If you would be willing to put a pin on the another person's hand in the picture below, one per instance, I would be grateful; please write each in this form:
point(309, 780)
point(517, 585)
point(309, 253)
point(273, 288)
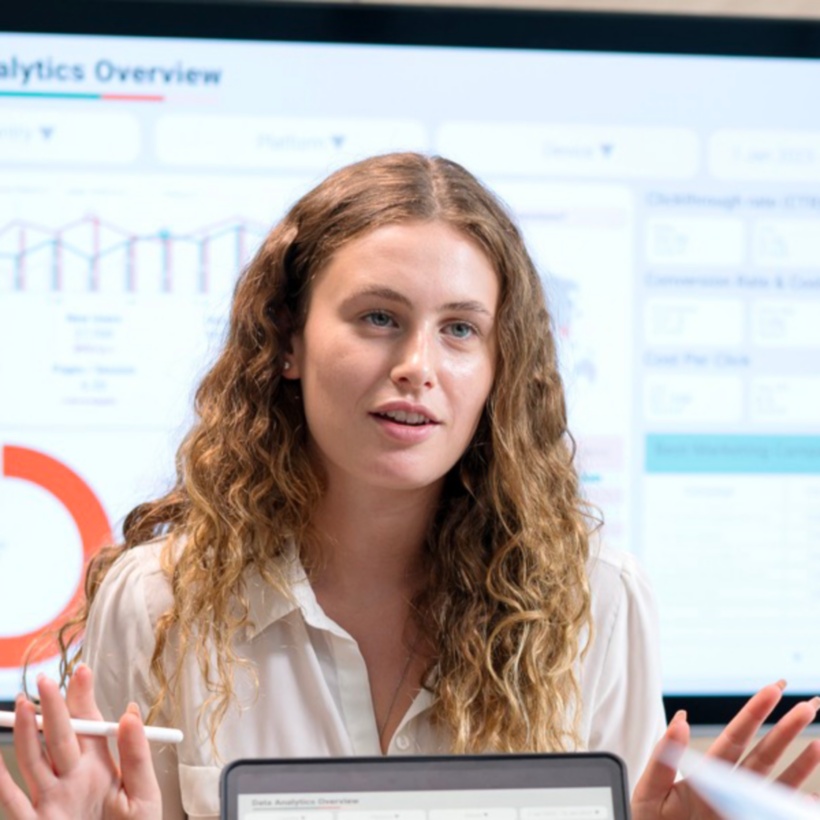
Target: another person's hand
point(72, 777)
point(658, 796)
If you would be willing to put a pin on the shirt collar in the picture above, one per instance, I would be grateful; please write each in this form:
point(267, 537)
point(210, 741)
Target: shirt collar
point(267, 605)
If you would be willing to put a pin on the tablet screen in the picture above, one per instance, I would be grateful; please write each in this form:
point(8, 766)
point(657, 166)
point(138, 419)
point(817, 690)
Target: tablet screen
point(532, 787)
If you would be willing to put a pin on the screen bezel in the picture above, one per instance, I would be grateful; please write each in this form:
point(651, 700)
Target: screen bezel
point(618, 32)
point(425, 773)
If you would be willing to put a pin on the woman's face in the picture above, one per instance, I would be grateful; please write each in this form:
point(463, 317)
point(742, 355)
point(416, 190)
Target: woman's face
point(397, 355)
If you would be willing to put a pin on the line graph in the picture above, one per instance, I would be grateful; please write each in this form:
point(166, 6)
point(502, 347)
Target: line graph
point(91, 254)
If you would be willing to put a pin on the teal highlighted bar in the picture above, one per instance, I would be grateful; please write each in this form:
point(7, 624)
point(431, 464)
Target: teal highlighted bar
point(732, 454)
point(64, 95)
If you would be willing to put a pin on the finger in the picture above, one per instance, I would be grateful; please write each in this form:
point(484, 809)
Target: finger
point(31, 758)
point(81, 704)
point(735, 738)
point(658, 778)
point(767, 753)
point(138, 778)
point(13, 801)
point(799, 770)
point(61, 741)
point(80, 695)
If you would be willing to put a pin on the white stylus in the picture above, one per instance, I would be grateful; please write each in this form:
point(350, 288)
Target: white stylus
point(101, 728)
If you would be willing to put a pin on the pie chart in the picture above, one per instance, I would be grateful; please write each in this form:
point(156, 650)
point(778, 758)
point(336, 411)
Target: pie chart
point(82, 505)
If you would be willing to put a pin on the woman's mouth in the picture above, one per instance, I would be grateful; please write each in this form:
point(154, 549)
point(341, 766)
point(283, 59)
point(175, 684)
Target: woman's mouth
point(403, 417)
point(406, 426)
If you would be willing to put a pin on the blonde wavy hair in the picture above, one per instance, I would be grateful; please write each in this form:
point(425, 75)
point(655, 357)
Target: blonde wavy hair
point(506, 607)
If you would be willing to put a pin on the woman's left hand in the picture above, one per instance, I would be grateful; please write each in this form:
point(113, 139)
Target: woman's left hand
point(658, 796)
point(70, 776)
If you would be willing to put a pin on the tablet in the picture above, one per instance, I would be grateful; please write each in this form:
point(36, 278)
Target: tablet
point(485, 787)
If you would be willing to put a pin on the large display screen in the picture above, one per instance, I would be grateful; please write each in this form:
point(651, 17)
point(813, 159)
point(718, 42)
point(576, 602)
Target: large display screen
point(670, 199)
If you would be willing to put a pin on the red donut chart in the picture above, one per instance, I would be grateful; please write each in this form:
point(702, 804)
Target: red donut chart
point(82, 505)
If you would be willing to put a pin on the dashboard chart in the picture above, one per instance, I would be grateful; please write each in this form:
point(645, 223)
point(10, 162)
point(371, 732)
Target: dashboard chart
point(676, 231)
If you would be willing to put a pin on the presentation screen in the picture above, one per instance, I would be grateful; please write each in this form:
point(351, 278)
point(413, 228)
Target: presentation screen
point(667, 181)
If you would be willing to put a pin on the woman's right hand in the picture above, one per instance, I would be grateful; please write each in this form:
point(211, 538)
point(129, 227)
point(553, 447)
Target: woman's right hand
point(74, 777)
point(659, 796)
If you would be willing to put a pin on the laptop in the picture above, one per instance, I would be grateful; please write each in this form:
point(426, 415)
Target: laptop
point(486, 787)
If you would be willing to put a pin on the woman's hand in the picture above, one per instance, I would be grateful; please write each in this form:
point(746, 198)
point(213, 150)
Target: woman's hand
point(71, 777)
point(658, 797)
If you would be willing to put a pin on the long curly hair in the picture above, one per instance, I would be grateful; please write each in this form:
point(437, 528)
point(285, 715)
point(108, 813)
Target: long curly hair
point(506, 605)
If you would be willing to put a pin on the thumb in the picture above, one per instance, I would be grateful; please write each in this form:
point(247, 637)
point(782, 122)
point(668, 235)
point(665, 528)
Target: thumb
point(659, 777)
point(139, 780)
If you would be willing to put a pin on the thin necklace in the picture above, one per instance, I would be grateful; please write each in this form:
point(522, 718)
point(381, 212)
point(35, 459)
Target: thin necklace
point(410, 655)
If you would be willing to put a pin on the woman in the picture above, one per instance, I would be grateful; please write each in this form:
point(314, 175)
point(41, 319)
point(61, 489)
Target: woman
point(376, 542)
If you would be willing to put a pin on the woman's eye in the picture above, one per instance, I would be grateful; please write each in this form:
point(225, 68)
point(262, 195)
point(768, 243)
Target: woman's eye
point(378, 318)
point(462, 330)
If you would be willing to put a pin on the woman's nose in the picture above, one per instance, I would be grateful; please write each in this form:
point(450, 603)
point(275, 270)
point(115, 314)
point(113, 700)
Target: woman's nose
point(415, 366)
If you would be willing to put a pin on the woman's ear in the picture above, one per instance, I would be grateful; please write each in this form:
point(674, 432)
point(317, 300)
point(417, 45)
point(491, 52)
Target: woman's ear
point(292, 367)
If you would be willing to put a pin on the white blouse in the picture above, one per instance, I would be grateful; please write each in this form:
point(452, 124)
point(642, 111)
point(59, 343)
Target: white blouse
point(314, 698)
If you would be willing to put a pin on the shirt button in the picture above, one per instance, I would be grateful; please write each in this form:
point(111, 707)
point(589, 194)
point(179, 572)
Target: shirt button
point(402, 743)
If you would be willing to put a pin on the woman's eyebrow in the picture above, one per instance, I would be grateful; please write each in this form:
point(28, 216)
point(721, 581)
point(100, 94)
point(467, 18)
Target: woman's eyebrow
point(391, 295)
point(380, 292)
point(468, 306)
